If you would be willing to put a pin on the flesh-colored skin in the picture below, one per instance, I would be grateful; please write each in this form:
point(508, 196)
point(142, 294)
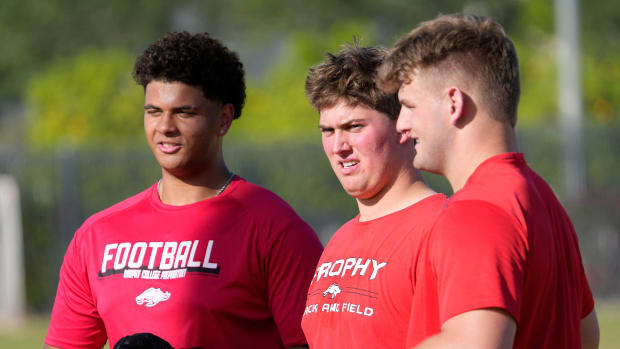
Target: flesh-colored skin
point(447, 124)
point(590, 333)
point(370, 158)
point(483, 329)
point(453, 131)
point(454, 134)
point(184, 130)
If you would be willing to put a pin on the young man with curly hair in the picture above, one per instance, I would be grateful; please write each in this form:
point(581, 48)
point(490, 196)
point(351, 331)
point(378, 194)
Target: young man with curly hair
point(203, 258)
point(501, 267)
point(361, 294)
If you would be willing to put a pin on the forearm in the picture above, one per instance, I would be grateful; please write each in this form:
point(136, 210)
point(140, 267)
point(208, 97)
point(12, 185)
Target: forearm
point(484, 329)
point(590, 334)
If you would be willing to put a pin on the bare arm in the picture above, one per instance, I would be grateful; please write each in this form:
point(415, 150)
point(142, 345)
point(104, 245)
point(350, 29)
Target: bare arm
point(590, 334)
point(483, 328)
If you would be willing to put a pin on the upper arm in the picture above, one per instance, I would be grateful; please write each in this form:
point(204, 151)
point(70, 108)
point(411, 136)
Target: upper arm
point(590, 334)
point(479, 258)
point(482, 328)
point(292, 255)
point(75, 320)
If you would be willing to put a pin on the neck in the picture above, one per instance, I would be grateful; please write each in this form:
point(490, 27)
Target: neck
point(179, 191)
point(473, 148)
point(405, 190)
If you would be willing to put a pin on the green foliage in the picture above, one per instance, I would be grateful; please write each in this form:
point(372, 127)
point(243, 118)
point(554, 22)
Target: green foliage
point(277, 108)
point(538, 103)
point(602, 90)
point(86, 100)
point(32, 32)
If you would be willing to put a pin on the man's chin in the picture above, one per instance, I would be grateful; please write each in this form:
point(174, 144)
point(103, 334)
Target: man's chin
point(360, 194)
point(175, 169)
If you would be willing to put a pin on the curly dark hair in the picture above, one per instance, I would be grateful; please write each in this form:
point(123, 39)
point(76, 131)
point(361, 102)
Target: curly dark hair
point(350, 76)
point(197, 60)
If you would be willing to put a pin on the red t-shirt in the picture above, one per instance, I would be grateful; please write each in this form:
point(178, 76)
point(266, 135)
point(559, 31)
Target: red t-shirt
point(226, 272)
point(361, 293)
point(504, 241)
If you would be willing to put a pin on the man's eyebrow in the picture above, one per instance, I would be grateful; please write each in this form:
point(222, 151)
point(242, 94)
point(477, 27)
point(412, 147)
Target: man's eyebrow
point(341, 124)
point(186, 107)
point(176, 109)
point(349, 121)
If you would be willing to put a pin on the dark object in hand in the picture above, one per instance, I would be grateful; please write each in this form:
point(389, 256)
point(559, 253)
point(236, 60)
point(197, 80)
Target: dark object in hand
point(142, 341)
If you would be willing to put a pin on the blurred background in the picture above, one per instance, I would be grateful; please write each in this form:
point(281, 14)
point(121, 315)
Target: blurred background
point(71, 133)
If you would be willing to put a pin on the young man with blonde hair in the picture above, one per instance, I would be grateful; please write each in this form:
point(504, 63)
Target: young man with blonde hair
point(501, 266)
point(361, 294)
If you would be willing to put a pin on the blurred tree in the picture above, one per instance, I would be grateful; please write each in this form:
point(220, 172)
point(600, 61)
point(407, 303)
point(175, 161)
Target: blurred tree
point(32, 32)
point(89, 99)
point(601, 74)
point(277, 108)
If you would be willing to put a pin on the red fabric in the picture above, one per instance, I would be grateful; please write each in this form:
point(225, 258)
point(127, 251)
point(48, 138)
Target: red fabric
point(229, 272)
point(372, 265)
point(504, 241)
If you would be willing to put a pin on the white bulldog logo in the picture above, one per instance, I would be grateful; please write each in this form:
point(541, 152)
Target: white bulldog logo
point(152, 297)
point(333, 289)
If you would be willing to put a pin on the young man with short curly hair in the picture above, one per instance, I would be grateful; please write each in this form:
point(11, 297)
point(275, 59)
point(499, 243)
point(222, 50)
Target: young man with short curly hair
point(501, 267)
point(362, 291)
point(203, 258)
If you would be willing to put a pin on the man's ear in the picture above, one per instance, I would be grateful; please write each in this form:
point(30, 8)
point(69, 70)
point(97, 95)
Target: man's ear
point(227, 114)
point(456, 104)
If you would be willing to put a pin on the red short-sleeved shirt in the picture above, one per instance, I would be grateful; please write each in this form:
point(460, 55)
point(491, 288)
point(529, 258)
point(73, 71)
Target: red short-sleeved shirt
point(227, 272)
point(504, 241)
point(362, 291)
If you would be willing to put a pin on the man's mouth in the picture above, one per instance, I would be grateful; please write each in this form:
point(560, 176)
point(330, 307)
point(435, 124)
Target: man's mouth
point(168, 148)
point(347, 164)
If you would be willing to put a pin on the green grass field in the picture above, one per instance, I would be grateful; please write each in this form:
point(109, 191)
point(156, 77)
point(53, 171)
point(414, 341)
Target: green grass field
point(31, 334)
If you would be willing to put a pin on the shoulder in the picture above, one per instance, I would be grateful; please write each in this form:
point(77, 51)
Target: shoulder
point(346, 232)
point(259, 201)
point(271, 215)
point(115, 209)
point(476, 223)
point(427, 209)
point(471, 210)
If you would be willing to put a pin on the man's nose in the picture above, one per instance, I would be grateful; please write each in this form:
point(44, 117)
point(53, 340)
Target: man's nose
point(166, 124)
point(403, 123)
point(341, 142)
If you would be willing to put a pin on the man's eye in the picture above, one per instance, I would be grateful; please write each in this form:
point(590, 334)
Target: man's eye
point(153, 112)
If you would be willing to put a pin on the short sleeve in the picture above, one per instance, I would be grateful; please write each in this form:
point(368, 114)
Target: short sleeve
point(291, 260)
point(479, 257)
point(75, 322)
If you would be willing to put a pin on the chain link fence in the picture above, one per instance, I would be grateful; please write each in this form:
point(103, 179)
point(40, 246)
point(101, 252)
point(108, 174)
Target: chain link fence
point(61, 188)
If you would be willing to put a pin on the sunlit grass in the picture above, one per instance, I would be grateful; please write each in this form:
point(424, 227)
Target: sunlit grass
point(609, 321)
